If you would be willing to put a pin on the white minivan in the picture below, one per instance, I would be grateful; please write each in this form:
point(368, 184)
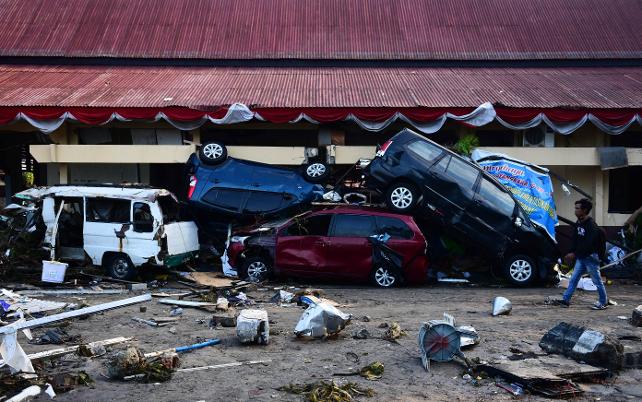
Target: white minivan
point(120, 228)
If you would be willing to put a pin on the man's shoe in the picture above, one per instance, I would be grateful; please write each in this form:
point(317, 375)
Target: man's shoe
point(561, 302)
point(598, 306)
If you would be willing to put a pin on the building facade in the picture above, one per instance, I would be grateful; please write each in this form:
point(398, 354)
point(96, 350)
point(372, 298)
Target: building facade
point(121, 91)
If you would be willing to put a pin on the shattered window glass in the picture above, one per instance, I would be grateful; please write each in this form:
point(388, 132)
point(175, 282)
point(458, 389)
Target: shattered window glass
point(108, 210)
point(354, 226)
point(143, 219)
point(396, 228)
point(169, 208)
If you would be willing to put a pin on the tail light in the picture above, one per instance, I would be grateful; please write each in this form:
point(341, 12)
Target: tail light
point(192, 186)
point(384, 148)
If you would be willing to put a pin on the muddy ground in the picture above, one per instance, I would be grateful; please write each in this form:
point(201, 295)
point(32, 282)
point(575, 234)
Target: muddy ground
point(298, 361)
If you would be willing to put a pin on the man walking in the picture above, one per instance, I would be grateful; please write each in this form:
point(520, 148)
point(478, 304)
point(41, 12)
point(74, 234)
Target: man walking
point(585, 252)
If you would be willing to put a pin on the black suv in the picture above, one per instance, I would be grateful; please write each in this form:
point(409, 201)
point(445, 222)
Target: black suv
point(420, 177)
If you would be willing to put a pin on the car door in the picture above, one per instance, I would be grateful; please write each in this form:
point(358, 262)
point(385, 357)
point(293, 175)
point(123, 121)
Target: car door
point(349, 251)
point(140, 237)
point(401, 237)
point(105, 220)
point(493, 210)
point(424, 155)
point(302, 246)
point(454, 182)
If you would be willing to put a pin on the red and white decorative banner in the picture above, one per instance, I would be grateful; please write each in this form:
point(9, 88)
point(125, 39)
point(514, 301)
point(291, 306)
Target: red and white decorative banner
point(426, 120)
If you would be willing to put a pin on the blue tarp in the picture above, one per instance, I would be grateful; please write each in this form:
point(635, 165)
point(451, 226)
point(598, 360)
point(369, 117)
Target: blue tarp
point(530, 184)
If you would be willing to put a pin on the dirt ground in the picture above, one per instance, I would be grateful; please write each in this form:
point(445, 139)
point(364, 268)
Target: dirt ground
point(299, 361)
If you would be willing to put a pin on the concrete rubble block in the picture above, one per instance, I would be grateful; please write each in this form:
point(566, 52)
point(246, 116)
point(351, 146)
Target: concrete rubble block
point(252, 326)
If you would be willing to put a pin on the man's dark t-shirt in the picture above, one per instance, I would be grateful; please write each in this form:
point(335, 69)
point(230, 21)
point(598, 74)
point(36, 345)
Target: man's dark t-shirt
point(585, 238)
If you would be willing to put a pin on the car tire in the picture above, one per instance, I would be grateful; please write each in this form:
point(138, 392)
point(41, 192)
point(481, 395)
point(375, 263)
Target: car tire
point(520, 270)
point(316, 172)
point(384, 277)
point(212, 153)
point(119, 266)
point(255, 269)
point(402, 197)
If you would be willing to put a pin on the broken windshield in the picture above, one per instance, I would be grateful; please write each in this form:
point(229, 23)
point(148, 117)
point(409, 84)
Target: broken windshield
point(169, 208)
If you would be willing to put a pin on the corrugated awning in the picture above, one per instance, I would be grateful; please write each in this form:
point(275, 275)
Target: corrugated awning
point(563, 98)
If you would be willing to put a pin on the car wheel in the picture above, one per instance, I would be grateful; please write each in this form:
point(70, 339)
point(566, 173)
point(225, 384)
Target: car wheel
point(255, 269)
point(384, 277)
point(120, 267)
point(213, 153)
point(520, 270)
point(316, 172)
point(402, 197)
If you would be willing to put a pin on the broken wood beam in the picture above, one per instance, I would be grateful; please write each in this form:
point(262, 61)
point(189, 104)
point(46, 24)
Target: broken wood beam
point(75, 313)
point(71, 349)
point(224, 365)
point(186, 303)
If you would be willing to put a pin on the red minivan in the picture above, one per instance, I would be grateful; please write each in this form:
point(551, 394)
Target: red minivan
point(331, 244)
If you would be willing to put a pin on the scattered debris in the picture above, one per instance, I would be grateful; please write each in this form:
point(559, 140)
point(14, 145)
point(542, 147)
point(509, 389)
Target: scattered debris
point(223, 321)
point(636, 317)
point(19, 325)
point(328, 391)
point(440, 340)
point(132, 364)
point(501, 305)
point(183, 349)
point(468, 336)
point(353, 357)
point(372, 371)
point(28, 392)
point(137, 287)
point(361, 333)
point(394, 332)
point(321, 320)
point(14, 302)
point(222, 304)
point(514, 388)
point(72, 349)
point(365, 318)
point(252, 326)
point(56, 336)
point(282, 296)
point(151, 323)
point(70, 292)
point(176, 311)
point(585, 345)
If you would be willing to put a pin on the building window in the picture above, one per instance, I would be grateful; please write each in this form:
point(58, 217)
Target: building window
point(624, 198)
point(496, 138)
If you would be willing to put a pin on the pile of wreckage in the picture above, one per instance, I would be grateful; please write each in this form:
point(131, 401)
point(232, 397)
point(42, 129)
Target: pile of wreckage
point(569, 353)
point(242, 211)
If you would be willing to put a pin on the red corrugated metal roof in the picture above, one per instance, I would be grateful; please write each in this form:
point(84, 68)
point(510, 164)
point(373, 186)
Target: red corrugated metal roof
point(320, 87)
point(323, 29)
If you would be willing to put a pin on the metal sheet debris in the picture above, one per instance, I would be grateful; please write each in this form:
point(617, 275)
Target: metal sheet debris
point(252, 326)
point(321, 320)
point(501, 305)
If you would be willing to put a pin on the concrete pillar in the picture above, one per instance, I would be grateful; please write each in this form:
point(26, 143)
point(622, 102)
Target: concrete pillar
point(63, 173)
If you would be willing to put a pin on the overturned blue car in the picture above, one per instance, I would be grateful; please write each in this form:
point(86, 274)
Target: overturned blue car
point(224, 190)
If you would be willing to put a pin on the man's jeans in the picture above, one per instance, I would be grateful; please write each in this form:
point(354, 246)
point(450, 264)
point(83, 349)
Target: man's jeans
point(588, 264)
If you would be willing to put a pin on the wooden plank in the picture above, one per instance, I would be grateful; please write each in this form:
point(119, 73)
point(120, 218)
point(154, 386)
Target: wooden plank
point(185, 303)
point(72, 314)
point(224, 365)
